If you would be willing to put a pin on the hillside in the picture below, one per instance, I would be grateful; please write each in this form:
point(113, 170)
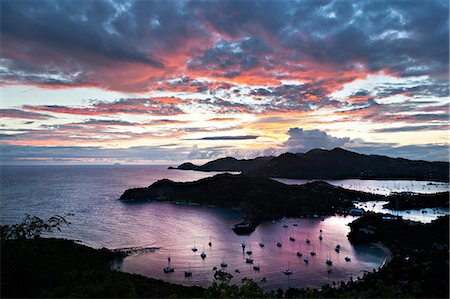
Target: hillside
point(330, 164)
point(57, 268)
point(260, 198)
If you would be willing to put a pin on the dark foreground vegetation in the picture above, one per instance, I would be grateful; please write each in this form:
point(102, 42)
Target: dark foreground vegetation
point(48, 268)
point(53, 268)
point(420, 263)
point(330, 164)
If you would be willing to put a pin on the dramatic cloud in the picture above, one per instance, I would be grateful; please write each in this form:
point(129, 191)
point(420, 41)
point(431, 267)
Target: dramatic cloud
point(141, 73)
point(156, 106)
point(132, 45)
point(305, 140)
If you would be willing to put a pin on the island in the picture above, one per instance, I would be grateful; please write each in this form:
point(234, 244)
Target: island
point(329, 164)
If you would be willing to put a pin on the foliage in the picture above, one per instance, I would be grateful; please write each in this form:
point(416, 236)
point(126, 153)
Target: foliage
point(221, 288)
point(58, 268)
point(32, 227)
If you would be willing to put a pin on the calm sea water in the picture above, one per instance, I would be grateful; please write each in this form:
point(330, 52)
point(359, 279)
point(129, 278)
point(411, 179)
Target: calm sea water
point(422, 215)
point(100, 220)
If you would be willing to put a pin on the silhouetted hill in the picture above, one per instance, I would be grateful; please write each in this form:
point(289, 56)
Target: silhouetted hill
point(227, 164)
point(259, 197)
point(330, 164)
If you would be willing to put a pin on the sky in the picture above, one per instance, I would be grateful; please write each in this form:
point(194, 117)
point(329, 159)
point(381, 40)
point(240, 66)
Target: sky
point(161, 82)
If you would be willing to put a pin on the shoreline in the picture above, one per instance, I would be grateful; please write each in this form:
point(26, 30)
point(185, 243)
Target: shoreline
point(386, 251)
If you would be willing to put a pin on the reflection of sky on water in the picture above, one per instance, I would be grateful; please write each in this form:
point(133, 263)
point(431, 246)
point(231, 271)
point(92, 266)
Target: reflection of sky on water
point(422, 215)
point(383, 187)
point(100, 220)
point(271, 259)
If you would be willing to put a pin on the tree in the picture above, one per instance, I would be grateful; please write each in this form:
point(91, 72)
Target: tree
point(221, 288)
point(32, 227)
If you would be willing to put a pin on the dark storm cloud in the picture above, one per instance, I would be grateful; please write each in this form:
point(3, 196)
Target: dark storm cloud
point(410, 38)
point(86, 39)
point(298, 97)
point(232, 58)
point(69, 42)
point(71, 26)
point(439, 88)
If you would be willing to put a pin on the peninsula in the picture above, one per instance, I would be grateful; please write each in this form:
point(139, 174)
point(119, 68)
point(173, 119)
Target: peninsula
point(260, 198)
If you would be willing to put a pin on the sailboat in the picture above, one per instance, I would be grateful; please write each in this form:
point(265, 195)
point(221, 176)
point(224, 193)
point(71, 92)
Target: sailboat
point(256, 267)
point(287, 271)
point(292, 239)
point(261, 244)
point(188, 273)
point(299, 253)
point(328, 261)
point(223, 264)
point(338, 248)
point(249, 251)
point(203, 254)
point(168, 269)
point(194, 249)
point(347, 259)
point(306, 259)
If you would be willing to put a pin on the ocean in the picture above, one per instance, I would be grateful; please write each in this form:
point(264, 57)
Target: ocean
point(157, 230)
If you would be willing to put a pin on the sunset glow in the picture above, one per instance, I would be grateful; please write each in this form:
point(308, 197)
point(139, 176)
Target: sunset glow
point(161, 82)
